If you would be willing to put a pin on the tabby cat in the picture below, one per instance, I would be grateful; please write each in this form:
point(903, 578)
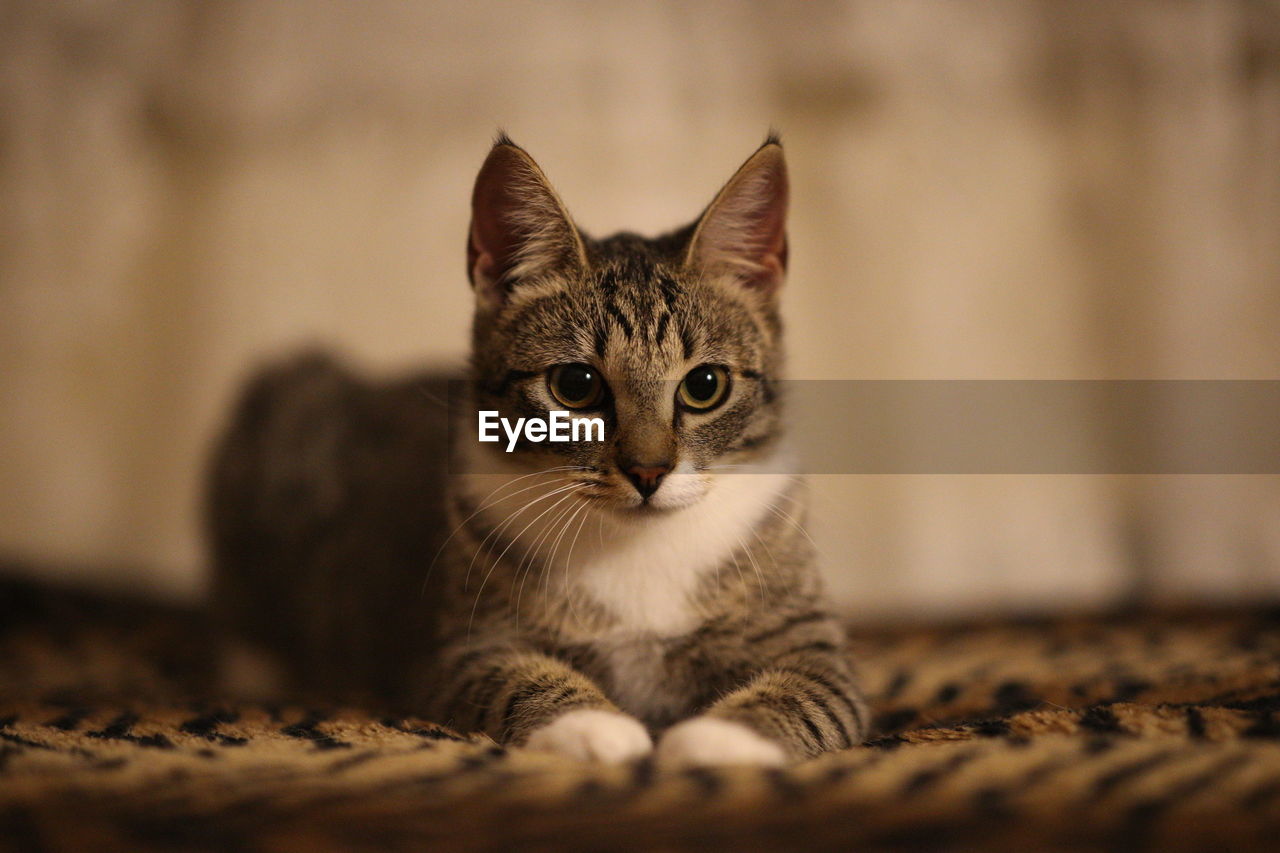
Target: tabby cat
point(593, 596)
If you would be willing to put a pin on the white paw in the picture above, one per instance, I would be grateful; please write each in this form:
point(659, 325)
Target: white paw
point(593, 735)
point(709, 741)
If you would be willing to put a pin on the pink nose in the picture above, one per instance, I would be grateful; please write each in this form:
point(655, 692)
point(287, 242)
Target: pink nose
point(647, 478)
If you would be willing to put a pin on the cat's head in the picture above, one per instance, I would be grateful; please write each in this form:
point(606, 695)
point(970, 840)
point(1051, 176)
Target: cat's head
point(674, 342)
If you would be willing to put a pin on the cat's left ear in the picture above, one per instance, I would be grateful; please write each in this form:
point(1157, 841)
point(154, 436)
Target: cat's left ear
point(744, 231)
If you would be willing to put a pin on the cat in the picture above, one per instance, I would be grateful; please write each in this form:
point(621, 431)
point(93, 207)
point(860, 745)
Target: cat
point(591, 596)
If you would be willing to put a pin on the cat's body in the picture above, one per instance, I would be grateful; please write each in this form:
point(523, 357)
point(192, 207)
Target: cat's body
point(592, 594)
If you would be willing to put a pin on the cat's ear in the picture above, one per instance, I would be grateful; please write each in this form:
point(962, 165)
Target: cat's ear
point(519, 226)
point(744, 231)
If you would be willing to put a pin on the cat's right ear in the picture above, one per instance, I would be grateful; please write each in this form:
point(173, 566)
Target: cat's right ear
point(744, 231)
point(520, 230)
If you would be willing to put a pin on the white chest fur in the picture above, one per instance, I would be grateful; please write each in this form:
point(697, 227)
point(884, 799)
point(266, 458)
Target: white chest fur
point(644, 571)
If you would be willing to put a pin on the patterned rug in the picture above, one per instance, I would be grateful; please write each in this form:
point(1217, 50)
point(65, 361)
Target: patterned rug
point(1123, 732)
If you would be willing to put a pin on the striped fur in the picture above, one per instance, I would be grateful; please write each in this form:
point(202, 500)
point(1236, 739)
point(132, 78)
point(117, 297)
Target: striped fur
point(566, 591)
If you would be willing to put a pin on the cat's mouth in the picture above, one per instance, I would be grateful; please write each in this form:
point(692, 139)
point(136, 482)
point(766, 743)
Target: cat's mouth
point(611, 499)
point(625, 502)
point(647, 508)
point(633, 506)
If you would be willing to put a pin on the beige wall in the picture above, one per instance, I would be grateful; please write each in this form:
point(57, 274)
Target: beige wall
point(982, 189)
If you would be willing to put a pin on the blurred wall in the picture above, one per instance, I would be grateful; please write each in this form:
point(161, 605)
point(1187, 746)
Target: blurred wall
point(982, 189)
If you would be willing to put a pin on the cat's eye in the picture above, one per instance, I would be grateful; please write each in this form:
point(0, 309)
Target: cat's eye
point(576, 386)
point(704, 387)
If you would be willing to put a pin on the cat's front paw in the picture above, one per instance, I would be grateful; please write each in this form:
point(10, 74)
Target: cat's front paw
point(706, 741)
point(593, 735)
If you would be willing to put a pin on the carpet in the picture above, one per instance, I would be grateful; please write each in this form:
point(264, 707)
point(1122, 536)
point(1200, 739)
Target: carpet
point(1117, 731)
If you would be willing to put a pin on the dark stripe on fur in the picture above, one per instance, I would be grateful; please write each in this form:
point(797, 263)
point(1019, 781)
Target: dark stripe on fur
point(787, 625)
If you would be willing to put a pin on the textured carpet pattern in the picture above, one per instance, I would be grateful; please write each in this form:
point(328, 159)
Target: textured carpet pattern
point(1130, 732)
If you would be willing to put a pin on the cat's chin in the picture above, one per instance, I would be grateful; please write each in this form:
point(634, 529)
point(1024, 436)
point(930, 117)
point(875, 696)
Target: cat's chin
point(647, 510)
point(652, 508)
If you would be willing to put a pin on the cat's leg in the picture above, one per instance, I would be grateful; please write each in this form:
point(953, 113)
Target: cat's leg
point(531, 699)
point(804, 701)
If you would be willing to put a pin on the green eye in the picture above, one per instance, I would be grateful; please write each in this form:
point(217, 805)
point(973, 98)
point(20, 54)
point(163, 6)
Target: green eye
point(576, 386)
point(704, 387)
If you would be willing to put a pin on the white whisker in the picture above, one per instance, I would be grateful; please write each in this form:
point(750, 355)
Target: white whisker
point(524, 566)
point(481, 508)
point(497, 530)
point(756, 566)
point(573, 609)
point(549, 564)
point(787, 517)
point(543, 537)
point(569, 489)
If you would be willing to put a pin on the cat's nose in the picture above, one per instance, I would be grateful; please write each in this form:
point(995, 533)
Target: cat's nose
point(646, 477)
